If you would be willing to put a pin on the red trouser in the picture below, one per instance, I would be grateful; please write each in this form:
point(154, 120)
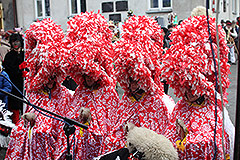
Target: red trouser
point(15, 115)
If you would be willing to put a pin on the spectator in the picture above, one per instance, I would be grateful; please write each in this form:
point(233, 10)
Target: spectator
point(7, 35)
point(236, 28)
point(170, 28)
point(238, 24)
point(5, 85)
point(222, 23)
point(111, 26)
point(166, 45)
point(11, 64)
point(231, 34)
point(4, 46)
point(129, 13)
point(180, 22)
point(166, 40)
point(238, 21)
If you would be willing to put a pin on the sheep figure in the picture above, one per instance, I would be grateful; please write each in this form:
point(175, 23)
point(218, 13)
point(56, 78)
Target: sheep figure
point(149, 145)
point(143, 144)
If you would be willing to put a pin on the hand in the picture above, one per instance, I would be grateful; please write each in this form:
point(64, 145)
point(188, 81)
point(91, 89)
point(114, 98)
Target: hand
point(181, 128)
point(29, 117)
point(85, 115)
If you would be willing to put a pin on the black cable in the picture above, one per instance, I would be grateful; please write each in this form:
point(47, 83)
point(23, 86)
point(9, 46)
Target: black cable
point(28, 102)
point(216, 81)
point(65, 120)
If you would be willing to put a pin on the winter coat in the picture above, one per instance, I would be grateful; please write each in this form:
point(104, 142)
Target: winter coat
point(6, 86)
point(11, 64)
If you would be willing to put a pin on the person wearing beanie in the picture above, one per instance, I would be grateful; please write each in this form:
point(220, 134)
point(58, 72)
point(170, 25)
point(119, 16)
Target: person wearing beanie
point(36, 135)
point(11, 64)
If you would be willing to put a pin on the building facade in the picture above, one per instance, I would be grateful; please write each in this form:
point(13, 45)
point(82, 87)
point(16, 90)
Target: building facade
point(22, 13)
point(8, 14)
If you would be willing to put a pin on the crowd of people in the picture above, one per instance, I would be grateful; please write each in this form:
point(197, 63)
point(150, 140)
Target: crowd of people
point(232, 30)
point(143, 61)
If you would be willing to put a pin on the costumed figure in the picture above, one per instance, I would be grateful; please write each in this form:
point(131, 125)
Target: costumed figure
point(37, 136)
point(143, 144)
point(137, 63)
point(11, 64)
point(89, 43)
point(189, 68)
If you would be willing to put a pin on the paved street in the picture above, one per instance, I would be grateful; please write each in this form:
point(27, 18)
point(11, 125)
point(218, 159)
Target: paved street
point(231, 106)
point(232, 91)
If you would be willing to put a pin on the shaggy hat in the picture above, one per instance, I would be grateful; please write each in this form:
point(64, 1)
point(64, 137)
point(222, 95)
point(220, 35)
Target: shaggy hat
point(189, 61)
point(45, 55)
point(89, 43)
point(138, 54)
point(153, 146)
point(200, 10)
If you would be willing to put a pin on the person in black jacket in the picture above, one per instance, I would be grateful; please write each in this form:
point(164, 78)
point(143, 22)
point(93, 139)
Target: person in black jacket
point(11, 64)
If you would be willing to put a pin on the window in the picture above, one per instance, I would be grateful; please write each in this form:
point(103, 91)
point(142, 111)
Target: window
point(42, 8)
point(160, 4)
point(74, 7)
point(234, 7)
point(115, 17)
point(121, 6)
point(107, 7)
point(224, 6)
point(153, 3)
point(166, 3)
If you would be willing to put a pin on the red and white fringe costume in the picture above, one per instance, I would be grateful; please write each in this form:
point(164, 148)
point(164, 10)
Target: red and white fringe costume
point(45, 57)
point(138, 55)
point(89, 43)
point(189, 64)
